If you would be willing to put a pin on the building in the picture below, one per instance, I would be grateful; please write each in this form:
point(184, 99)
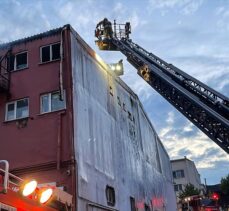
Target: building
point(68, 121)
point(185, 172)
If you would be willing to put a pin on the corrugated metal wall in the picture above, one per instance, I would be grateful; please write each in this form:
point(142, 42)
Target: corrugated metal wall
point(115, 144)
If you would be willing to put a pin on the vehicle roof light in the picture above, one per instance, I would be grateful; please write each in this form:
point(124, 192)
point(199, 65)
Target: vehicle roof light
point(113, 67)
point(29, 188)
point(46, 195)
point(118, 67)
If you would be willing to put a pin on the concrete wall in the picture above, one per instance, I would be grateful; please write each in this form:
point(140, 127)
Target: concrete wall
point(115, 144)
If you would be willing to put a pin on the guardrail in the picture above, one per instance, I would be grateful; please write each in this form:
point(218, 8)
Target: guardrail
point(6, 175)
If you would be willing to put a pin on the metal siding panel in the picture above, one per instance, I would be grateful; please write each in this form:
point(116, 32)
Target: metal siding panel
point(112, 148)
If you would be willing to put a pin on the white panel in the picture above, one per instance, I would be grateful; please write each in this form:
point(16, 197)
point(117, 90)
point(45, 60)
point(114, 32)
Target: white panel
point(115, 143)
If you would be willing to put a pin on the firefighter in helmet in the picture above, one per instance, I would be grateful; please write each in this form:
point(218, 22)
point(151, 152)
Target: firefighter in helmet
point(104, 27)
point(127, 30)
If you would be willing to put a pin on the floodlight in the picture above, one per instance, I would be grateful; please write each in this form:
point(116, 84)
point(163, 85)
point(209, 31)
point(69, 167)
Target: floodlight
point(46, 194)
point(29, 188)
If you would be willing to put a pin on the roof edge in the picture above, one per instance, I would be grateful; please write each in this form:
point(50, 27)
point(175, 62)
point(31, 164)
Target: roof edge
point(181, 159)
point(51, 32)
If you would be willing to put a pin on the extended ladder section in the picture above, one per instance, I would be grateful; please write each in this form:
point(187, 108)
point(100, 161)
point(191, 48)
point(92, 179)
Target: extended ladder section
point(202, 105)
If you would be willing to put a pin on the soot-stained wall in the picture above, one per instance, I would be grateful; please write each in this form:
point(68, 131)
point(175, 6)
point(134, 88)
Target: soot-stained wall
point(115, 143)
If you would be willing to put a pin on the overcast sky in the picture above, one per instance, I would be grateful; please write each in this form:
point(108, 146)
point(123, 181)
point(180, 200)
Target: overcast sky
point(191, 34)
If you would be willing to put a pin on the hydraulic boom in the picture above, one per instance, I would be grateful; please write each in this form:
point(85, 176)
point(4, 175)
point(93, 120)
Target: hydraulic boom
point(202, 105)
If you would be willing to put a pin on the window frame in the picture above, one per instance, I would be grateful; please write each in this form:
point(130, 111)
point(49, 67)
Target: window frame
point(132, 204)
point(179, 172)
point(110, 196)
point(179, 187)
point(146, 207)
point(50, 53)
point(15, 110)
point(49, 94)
point(15, 61)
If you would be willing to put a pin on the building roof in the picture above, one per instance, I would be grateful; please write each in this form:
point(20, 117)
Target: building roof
point(33, 37)
point(181, 159)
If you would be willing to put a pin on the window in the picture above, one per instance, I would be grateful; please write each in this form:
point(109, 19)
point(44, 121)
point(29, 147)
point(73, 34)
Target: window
point(51, 102)
point(50, 53)
point(178, 187)
point(17, 110)
point(132, 204)
point(119, 101)
point(111, 91)
point(110, 195)
point(18, 61)
point(147, 208)
point(178, 174)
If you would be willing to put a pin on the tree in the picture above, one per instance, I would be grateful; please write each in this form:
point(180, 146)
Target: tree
point(189, 190)
point(225, 185)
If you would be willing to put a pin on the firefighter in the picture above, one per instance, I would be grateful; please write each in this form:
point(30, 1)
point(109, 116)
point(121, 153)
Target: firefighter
point(127, 29)
point(107, 28)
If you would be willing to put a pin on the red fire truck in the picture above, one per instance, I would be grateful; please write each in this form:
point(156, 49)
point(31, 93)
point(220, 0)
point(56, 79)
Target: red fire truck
point(17, 194)
point(197, 203)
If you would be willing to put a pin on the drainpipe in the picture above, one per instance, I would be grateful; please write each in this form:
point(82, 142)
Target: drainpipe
point(61, 64)
point(70, 111)
point(59, 139)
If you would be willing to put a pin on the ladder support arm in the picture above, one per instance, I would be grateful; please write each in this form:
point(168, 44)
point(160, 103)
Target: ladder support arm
point(203, 106)
point(199, 111)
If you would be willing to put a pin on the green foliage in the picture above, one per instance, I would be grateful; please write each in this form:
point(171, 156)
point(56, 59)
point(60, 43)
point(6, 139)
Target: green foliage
point(189, 190)
point(225, 185)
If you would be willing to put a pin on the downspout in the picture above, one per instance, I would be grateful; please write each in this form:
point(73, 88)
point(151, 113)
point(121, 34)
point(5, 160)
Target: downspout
point(59, 140)
point(61, 64)
point(61, 98)
point(70, 111)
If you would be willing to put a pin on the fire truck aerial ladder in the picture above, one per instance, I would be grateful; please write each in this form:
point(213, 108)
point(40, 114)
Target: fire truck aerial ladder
point(202, 105)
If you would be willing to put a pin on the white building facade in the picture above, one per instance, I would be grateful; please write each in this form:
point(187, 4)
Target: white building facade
point(185, 172)
point(122, 164)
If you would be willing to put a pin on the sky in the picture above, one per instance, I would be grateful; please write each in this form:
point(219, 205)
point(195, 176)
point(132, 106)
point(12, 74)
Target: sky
point(190, 34)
